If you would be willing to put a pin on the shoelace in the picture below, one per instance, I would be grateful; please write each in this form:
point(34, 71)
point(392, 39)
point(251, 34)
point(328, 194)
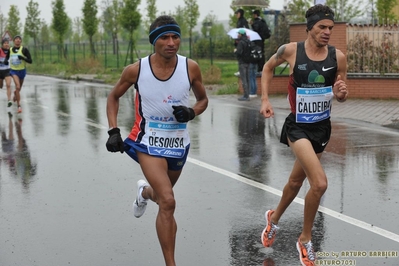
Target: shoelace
point(273, 230)
point(310, 251)
point(140, 203)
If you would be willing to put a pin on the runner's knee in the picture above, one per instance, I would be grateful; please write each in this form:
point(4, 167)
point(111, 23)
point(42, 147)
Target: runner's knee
point(167, 203)
point(295, 184)
point(320, 186)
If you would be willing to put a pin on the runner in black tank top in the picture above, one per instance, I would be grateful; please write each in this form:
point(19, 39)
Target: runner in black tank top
point(317, 75)
point(309, 74)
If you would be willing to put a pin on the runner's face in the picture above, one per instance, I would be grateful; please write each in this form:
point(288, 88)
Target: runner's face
point(321, 31)
point(167, 45)
point(6, 45)
point(17, 42)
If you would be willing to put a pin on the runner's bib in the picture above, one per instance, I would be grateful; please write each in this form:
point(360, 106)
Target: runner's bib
point(313, 104)
point(15, 60)
point(167, 139)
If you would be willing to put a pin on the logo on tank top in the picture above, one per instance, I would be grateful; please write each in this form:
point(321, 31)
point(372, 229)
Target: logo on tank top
point(315, 77)
point(302, 67)
point(328, 68)
point(171, 99)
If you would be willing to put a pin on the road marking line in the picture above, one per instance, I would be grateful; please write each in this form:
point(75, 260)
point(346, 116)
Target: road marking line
point(332, 213)
point(95, 125)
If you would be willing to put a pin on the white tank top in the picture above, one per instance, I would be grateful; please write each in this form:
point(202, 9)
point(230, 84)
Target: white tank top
point(155, 125)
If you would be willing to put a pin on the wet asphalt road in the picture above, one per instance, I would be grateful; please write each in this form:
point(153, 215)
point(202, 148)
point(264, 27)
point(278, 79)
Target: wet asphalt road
point(64, 200)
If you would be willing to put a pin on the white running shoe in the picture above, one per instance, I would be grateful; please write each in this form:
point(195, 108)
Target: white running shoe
point(139, 205)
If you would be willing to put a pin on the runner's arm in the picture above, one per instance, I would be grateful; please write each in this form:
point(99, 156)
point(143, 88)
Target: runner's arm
point(127, 79)
point(28, 57)
point(283, 54)
point(340, 87)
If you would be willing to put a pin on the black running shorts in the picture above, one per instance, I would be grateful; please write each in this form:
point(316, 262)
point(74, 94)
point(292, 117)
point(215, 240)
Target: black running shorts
point(317, 133)
point(4, 73)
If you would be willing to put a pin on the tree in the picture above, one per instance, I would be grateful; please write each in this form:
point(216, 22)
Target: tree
point(130, 20)
point(60, 24)
point(192, 14)
point(385, 11)
point(297, 10)
point(346, 10)
point(32, 22)
point(44, 33)
point(77, 30)
point(180, 16)
point(3, 22)
point(211, 27)
point(111, 21)
point(151, 13)
point(13, 24)
point(280, 35)
point(90, 22)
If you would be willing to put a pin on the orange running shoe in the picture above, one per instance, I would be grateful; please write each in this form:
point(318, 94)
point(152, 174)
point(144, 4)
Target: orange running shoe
point(306, 253)
point(19, 109)
point(269, 233)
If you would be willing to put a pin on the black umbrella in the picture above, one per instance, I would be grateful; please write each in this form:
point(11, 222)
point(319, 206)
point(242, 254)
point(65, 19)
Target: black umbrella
point(257, 3)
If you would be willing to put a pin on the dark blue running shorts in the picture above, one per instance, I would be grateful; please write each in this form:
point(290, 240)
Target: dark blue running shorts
point(20, 73)
point(174, 164)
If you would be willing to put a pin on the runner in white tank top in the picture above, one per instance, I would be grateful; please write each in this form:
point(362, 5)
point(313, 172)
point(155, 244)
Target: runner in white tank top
point(155, 127)
point(159, 139)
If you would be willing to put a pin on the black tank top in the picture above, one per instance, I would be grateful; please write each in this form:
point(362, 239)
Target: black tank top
point(311, 74)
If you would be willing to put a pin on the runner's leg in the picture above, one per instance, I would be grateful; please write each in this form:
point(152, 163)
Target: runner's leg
point(161, 182)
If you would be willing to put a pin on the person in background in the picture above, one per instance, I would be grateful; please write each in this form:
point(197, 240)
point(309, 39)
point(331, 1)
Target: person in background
point(241, 20)
point(243, 66)
point(259, 25)
point(19, 56)
point(253, 87)
point(318, 68)
point(159, 140)
point(5, 68)
point(241, 23)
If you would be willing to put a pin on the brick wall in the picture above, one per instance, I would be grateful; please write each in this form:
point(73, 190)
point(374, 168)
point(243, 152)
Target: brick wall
point(359, 87)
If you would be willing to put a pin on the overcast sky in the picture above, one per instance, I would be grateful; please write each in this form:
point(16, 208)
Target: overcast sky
point(220, 8)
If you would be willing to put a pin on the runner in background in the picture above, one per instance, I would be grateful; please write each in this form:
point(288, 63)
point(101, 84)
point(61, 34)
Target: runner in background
point(5, 68)
point(19, 56)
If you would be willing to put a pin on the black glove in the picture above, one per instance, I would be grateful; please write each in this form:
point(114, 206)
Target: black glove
point(183, 114)
point(5, 62)
point(20, 57)
point(114, 142)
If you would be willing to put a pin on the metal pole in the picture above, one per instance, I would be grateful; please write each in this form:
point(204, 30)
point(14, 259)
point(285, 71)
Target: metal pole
point(210, 47)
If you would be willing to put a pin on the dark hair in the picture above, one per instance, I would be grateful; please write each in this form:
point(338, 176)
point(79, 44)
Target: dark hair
point(319, 8)
point(162, 20)
point(317, 13)
point(257, 12)
point(17, 36)
point(241, 11)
